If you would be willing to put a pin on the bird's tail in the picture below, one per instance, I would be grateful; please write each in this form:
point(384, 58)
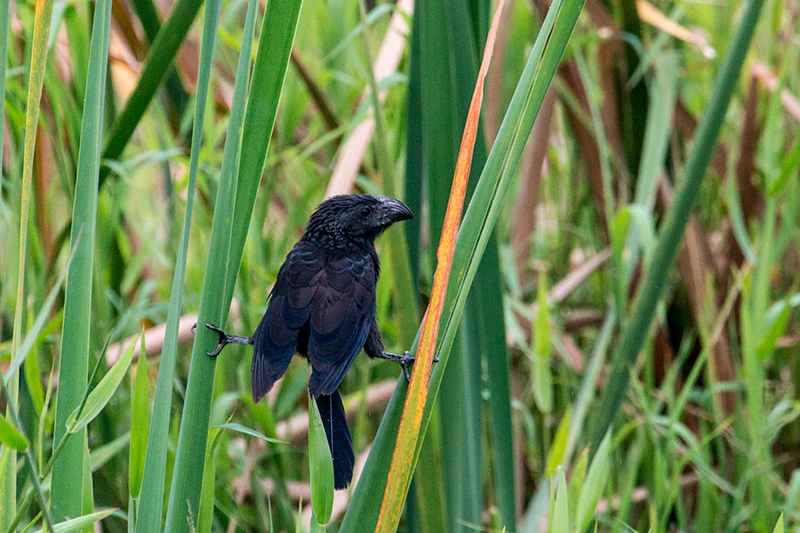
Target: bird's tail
point(339, 439)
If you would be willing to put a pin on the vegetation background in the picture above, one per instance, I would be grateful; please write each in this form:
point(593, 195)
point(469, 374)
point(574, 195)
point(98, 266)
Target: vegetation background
point(626, 359)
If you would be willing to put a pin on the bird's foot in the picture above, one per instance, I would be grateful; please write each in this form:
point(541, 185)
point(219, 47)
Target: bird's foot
point(403, 360)
point(225, 339)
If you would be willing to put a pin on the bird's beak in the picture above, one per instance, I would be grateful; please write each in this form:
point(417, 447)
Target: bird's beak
point(392, 210)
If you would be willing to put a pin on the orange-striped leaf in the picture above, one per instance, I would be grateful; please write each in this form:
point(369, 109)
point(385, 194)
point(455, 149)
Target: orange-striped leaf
point(403, 458)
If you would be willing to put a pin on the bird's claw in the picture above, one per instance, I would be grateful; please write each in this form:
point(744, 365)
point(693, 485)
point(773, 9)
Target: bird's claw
point(404, 361)
point(223, 339)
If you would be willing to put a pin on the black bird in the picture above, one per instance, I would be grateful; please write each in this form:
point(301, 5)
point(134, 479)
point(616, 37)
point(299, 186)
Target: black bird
point(322, 306)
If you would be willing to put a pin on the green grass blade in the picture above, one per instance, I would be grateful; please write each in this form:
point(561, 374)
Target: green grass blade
point(643, 309)
point(67, 487)
point(157, 63)
point(440, 144)
point(150, 509)
point(151, 504)
point(234, 204)
point(79, 523)
point(476, 227)
point(151, 24)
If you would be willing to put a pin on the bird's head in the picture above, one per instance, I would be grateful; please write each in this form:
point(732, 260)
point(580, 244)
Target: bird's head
point(354, 217)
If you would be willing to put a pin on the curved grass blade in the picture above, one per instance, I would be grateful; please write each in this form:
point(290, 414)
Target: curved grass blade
point(100, 395)
point(234, 206)
point(248, 431)
point(67, 487)
point(80, 523)
point(410, 425)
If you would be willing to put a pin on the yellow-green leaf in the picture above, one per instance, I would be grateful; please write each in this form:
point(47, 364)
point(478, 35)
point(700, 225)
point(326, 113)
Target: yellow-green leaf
point(542, 351)
point(11, 437)
point(140, 426)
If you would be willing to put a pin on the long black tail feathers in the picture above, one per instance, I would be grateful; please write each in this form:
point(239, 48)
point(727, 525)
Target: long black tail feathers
point(340, 442)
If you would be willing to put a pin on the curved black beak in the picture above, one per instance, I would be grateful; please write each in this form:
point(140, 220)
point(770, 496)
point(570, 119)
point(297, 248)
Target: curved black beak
point(392, 210)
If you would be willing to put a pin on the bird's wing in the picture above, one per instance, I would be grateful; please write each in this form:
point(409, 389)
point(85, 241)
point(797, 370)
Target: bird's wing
point(275, 339)
point(342, 312)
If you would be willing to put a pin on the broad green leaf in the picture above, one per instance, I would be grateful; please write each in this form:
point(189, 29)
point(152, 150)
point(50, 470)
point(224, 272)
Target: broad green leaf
point(247, 431)
point(101, 394)
point(140, 426)
point(595, 484)
point(11, 437)
point(320, 465)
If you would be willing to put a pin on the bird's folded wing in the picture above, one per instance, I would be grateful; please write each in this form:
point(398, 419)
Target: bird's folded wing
point(341, 314)
point(289, 309)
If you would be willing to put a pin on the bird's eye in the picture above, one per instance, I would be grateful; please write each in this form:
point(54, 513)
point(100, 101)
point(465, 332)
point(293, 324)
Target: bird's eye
point(365, 211)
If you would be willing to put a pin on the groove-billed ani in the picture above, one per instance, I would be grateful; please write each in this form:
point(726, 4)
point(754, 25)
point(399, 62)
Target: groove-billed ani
point(322, 306)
